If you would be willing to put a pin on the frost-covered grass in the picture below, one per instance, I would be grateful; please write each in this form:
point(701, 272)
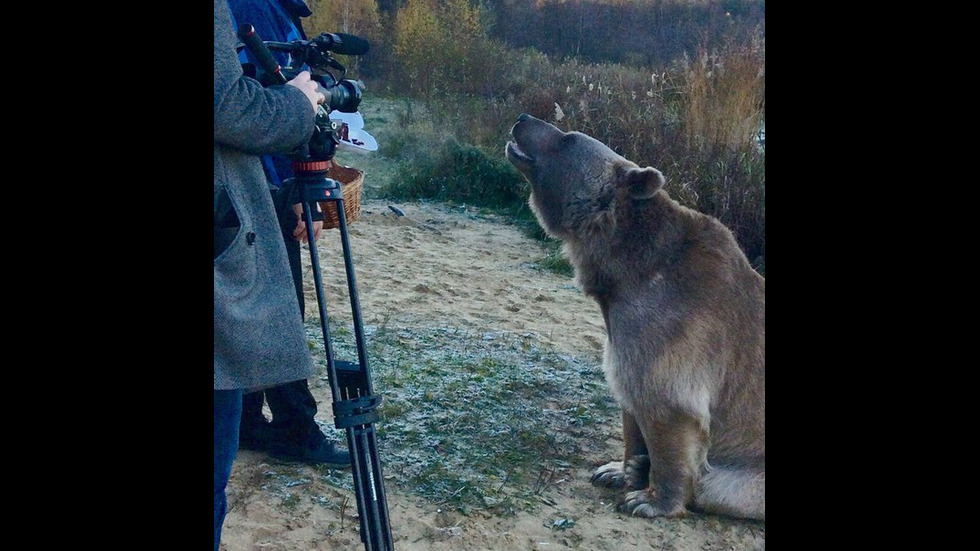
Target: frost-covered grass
point(477, 421)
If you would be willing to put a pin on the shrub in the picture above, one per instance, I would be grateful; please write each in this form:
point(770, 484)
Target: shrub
point(463, 174)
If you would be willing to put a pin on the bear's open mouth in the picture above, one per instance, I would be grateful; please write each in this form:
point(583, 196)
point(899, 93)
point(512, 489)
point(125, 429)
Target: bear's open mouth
point(516, 152)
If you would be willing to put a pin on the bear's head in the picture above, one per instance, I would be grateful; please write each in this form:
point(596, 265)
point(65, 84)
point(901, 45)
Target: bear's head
point(576, 180)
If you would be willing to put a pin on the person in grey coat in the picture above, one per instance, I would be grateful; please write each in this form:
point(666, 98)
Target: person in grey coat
point(259, 339)
point(292, 433)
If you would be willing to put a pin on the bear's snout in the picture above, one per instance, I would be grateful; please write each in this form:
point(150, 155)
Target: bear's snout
point(532, 137)
point(534, 134)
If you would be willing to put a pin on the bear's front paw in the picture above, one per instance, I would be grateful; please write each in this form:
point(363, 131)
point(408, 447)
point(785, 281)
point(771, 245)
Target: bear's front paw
point(644, 503)
point(610, 475)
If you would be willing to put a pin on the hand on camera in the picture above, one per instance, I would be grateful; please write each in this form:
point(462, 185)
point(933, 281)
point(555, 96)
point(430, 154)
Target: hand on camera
point(309, 87)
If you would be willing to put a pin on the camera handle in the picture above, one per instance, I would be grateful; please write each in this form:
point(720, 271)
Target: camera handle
point(355, 404)
point(265, 59)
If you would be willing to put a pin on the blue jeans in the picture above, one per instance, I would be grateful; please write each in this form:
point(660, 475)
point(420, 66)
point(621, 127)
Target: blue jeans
point(227, 416)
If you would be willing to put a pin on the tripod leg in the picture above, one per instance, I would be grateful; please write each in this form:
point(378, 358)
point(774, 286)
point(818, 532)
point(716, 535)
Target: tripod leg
point(354, 403)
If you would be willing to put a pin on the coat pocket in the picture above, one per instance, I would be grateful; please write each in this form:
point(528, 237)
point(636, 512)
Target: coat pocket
point(227, 225)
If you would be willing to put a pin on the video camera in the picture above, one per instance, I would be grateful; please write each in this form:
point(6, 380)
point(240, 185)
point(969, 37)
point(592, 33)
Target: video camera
point(342, 95)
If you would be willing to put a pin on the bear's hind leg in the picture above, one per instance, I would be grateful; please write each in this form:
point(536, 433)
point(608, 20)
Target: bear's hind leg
point(732, 491)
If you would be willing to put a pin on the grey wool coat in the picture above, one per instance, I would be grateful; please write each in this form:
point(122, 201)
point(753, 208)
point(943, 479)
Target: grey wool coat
point(259, 339)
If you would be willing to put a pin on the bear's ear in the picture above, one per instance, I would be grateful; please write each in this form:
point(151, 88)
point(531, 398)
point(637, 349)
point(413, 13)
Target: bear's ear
point(641, 183)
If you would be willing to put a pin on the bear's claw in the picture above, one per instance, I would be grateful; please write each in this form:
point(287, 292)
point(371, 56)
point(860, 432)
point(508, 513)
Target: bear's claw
point(610, 475)
point(642, 503)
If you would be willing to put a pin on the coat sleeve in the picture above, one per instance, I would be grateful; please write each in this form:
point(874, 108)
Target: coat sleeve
point(247, 116)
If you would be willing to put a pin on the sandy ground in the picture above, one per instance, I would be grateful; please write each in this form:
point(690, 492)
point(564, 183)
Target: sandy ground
point(456, 268)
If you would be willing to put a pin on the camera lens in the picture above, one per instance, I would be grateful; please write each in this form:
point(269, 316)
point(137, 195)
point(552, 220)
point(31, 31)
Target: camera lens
point(345, 97)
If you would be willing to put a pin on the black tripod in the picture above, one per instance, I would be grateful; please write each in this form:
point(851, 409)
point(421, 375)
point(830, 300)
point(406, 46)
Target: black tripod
point(354, 402)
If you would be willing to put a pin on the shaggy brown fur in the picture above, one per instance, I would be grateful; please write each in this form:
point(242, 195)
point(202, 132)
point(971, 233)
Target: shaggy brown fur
point(685, 317)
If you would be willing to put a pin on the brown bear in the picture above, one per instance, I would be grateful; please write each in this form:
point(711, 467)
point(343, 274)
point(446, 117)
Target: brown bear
point(685, 316)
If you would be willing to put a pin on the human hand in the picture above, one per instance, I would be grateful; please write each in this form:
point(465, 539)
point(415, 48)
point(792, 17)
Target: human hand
point(299, 232)
point(308, 87)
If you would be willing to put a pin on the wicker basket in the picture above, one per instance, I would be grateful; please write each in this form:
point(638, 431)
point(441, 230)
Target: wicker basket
point(352, 184)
